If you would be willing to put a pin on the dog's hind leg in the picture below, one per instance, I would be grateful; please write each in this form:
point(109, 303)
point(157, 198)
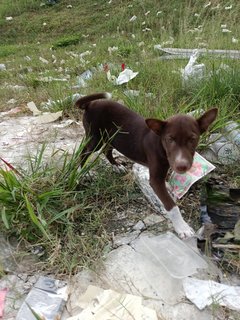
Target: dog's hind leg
point(109, 155)
point(92, 145)
point(117, 167)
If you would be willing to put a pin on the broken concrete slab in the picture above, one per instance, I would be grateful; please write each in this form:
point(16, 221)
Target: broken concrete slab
point(153, 219)
point(140, 225)
point(18, 287)
point(7, 261)
point(11, 261)
point(124, 239)
point(22, 137)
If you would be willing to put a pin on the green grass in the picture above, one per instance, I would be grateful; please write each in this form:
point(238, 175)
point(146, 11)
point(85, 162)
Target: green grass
point(93, 31)
point(60, 204)
point(62, 207)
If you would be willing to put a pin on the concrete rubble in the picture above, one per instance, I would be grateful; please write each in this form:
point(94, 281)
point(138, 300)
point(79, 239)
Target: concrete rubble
point(22, 136)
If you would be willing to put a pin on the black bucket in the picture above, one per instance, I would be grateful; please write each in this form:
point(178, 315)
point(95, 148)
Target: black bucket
point(223, 205)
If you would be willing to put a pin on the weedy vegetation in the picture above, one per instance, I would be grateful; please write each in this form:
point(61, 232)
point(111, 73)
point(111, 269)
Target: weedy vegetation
point(54, 203)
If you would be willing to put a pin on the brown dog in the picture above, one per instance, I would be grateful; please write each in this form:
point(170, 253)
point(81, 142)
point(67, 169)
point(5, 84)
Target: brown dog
point(157, 144)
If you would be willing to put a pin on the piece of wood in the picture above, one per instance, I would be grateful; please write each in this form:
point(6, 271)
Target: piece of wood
point(226, 246)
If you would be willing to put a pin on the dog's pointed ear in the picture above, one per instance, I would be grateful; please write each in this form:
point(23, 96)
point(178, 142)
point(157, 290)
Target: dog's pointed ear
point(206, 119)
point(156, 125)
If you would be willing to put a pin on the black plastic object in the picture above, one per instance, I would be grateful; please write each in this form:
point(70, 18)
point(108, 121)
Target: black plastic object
point(223, 205)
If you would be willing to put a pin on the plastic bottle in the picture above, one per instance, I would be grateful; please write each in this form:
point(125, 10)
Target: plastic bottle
point(232, 130)
point(227, 152)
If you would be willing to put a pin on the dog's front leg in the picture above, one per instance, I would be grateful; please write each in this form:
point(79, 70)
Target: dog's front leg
point(180, 225)
point(173, 212)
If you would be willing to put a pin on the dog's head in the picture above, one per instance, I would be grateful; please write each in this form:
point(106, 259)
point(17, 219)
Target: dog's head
point(180, 136)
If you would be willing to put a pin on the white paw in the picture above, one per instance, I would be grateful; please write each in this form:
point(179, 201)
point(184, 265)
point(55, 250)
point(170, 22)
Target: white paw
point(183, 230)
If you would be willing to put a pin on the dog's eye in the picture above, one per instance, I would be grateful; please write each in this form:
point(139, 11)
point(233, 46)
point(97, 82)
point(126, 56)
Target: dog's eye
point(170, 139)
point(192, 139)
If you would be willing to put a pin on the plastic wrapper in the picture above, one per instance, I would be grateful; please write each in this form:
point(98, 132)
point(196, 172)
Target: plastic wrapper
point(180, 183)
point(47, 298)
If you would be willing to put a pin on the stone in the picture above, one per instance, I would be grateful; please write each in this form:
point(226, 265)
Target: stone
point(140, 225)
point(153, 219)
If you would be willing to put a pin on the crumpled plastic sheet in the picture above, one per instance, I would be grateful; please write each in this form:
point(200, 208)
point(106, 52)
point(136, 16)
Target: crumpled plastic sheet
point(203, 293)
point(193, 71)
point(125, 76)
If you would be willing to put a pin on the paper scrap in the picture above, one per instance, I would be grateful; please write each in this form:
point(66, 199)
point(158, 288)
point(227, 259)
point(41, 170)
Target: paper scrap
point(32, 107)
point(100, 304)
point(49, 117)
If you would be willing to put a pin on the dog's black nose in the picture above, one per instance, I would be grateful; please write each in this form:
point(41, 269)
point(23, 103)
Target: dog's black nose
point(181, 168)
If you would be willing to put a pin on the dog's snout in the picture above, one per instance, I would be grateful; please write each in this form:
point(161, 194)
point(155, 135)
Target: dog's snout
point(182, 164)
point(182, 167)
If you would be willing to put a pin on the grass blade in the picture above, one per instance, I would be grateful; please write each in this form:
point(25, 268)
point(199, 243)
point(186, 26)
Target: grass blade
point(34, 218)
point(35, 314)
point(4, 218)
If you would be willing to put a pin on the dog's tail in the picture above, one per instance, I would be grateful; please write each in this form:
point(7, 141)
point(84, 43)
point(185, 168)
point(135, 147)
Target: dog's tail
point(84, 101)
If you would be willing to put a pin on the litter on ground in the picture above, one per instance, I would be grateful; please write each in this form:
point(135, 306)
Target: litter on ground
point(186, 53)
point(204, 293)
point(99, 304)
